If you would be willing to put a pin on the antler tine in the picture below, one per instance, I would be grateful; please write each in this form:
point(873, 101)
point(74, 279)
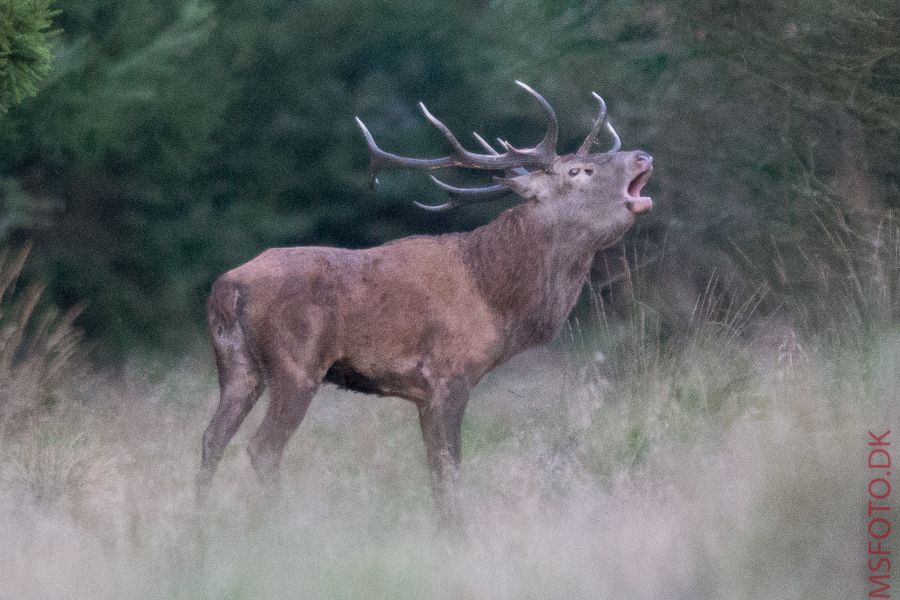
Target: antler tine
point(591, 138)
point(484, 143)
point(439, 207)
point(489, 148)
point(599, 123)
point(487, 192)
point(464, 196)
point(381, 159)
point(548, 144)
point(617, 143)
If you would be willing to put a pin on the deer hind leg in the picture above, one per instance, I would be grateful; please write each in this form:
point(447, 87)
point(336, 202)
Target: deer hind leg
point(240, 385)
point(441, 422)
point(291, 393)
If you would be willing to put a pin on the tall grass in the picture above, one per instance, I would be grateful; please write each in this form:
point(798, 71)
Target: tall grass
point(38, 345)
point(643, 497)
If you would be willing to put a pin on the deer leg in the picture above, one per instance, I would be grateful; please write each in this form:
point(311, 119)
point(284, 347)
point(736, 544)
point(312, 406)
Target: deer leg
point(441, 422)
point(240, 385)
point(291, 395)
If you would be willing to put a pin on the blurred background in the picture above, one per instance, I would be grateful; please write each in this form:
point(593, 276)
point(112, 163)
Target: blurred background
point(147, 147)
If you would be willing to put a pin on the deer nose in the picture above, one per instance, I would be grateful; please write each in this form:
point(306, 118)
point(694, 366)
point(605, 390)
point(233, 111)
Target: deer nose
point(642, 156)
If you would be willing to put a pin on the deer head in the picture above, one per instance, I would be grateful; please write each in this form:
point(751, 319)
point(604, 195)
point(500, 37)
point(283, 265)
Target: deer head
point(596, 189)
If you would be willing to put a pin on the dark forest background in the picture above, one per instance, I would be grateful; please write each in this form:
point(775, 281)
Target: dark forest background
point(148, 146)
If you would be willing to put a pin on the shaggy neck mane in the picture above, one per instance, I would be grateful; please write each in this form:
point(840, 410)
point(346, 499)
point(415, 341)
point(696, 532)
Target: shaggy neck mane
point(529, 271)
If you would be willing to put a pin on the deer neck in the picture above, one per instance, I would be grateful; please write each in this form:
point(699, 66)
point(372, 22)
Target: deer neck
point(530, 270)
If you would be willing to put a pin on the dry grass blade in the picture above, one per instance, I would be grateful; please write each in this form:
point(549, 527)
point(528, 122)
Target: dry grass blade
point(10, 270)
point(38, 346)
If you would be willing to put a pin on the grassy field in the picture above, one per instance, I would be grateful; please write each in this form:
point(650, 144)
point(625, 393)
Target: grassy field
point(613, 465)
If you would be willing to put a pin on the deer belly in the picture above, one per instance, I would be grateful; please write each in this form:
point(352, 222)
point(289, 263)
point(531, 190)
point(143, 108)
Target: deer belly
point(407, 383)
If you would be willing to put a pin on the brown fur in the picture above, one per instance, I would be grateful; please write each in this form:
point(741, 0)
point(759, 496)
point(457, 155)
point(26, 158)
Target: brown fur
point(423, 318)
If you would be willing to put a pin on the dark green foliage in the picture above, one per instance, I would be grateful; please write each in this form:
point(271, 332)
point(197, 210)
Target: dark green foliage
point(178, 139)
point(25, 32)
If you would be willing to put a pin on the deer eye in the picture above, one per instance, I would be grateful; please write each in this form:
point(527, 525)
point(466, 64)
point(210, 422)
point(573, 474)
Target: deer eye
point(574, 171)
point(588, 172)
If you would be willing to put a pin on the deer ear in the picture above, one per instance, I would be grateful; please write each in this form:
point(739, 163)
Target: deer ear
point(523, 185)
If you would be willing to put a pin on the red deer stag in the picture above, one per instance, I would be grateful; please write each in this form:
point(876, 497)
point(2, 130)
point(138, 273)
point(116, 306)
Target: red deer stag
point(423, 318)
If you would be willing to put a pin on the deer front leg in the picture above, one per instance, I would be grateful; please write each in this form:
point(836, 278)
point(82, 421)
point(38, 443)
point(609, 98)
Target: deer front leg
point(441, 422)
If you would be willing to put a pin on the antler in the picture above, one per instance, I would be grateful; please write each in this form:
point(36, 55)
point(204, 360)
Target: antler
point(513, 162)
point(539, 156)
point(464, 196)
point(591, 138)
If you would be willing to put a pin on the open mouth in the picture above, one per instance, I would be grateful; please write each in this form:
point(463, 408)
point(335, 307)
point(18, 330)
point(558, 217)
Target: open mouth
point(633, 200)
